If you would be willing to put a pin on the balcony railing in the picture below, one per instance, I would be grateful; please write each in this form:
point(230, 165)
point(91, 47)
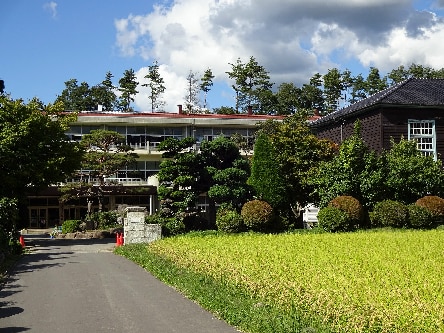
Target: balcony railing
point(108, 181)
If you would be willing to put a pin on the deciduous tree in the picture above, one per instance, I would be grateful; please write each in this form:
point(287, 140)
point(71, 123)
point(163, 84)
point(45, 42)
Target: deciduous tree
point(298, 151)
point(192, 93)
point(34, 151)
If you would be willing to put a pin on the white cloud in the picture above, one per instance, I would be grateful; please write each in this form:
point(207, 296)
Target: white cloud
point(401, 49)
point(292, 39)
point(174, 89)
point(51, 7)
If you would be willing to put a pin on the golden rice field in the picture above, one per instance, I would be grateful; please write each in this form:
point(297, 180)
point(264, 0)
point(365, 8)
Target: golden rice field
point(384, 281)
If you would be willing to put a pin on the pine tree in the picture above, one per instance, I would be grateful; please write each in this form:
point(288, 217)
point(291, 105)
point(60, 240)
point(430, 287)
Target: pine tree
point(156, 85)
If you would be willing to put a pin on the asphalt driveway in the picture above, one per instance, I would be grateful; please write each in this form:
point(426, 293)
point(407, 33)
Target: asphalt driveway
point(81, 286)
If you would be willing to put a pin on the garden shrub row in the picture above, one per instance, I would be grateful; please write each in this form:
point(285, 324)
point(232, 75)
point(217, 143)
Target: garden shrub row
point(255, 215)
point(345, 213)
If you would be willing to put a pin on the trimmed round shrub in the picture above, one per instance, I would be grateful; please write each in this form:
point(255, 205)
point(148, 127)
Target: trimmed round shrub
point(257, 215)
point(333, 219)
point(420, 217)
point(69, 226)
point(434, 204)
point(229, 220)
point(390, 213)
point(351, 206)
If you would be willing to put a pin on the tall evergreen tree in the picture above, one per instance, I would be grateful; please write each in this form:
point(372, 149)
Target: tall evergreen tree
point(206, 82)
point(76, 97)
point(104, 94)
point(266, 173)
point(251, 84)
point(375, 82)
point(288, 99)
point(156, 85)
point(312, 95)
point(127, 88)
point(333, 87)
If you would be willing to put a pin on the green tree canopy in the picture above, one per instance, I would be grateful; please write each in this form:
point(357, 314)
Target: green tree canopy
point(266, 177)
point(227, 172)
point(343, 174)
point(410, 174)
point(252, 85)
point(402, 173)
point(76, 97)
point(297, 152)
point(34, 151)
point(179, 175)
point(128, 89)
point(103, 93)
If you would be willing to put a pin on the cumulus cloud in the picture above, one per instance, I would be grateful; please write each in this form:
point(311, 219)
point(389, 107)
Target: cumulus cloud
point(292, 39)
point(51, 7)
point(174, 89)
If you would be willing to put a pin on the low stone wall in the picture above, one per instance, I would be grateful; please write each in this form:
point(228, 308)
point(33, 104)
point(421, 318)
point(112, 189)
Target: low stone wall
point(100, 234)
point(135, 230)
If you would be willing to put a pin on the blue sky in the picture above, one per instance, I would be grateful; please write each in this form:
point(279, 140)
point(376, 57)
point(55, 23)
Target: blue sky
point(45, 43)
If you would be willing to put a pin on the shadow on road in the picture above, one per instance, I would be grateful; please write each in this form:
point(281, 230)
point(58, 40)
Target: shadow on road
point(13, 329)
point(42, 252)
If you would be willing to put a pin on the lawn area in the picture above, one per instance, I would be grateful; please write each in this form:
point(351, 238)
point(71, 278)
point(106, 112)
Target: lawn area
point(379, 281)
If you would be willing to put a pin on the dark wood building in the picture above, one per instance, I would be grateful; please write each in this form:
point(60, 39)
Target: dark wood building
point(413, 109)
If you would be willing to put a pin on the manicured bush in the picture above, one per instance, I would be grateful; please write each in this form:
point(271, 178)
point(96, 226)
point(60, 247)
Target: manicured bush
point(434, 204)
point(257, 215)
point(390, 213)
point(333, 219)
point(351, 206)
point(419, 217)
point(229, 220)
point(105, 220)
point(71, 226)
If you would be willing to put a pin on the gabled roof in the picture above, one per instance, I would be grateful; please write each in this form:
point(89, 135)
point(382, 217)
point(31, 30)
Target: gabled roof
point(411, 92)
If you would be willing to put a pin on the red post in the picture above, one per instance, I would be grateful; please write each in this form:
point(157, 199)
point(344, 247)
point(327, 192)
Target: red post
point(121, 241)
point(22, 241)
point(118, 239)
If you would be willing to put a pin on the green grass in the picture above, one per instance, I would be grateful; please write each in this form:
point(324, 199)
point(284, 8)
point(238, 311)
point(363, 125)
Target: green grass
point(385, 281)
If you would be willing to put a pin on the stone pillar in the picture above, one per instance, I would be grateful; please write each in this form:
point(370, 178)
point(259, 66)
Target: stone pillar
point(135, 230)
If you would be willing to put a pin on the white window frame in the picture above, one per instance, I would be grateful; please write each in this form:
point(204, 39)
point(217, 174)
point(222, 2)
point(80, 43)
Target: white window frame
point(424, 133)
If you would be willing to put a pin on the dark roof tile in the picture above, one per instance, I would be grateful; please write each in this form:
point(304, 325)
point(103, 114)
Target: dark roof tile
point(420, 92)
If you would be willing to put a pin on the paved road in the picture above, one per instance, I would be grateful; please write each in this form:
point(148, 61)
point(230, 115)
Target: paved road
point(81, 286)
